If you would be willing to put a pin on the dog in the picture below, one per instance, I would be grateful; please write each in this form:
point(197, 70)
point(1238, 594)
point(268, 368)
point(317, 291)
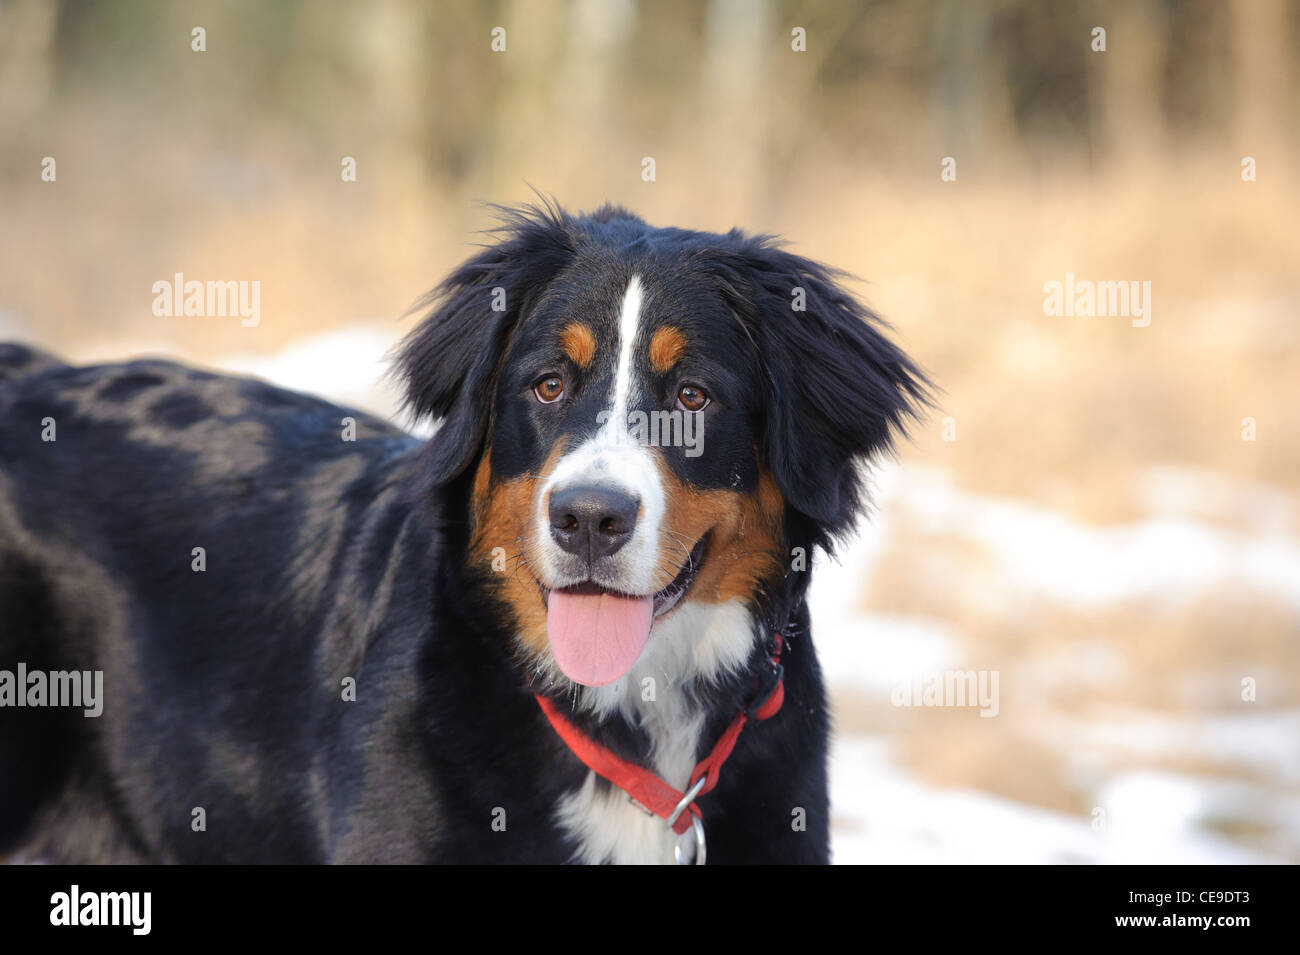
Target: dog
point(571, 626)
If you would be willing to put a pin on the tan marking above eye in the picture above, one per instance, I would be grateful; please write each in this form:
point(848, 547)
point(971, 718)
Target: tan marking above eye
point(579, 343)
point(667, 345)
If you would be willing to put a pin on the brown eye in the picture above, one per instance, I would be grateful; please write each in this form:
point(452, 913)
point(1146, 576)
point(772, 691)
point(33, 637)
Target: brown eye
point(549, 390)
point(692, 398)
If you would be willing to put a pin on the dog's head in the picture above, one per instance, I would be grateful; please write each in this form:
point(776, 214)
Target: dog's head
point(648, 420)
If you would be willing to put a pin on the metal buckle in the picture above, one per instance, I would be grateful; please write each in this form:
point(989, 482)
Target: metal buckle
point(697, 826)
point(698, 859)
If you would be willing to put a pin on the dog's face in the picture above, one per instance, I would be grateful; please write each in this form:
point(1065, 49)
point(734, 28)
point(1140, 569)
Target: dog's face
point(652, 419)
point(623, 463)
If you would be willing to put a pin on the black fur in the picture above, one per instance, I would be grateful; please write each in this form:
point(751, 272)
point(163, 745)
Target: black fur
point(328, 560)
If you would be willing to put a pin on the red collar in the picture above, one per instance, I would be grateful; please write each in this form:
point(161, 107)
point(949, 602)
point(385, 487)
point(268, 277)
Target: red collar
point(645, 788)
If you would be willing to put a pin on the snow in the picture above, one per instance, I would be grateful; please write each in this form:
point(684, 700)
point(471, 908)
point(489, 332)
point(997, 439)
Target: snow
point(881, 815)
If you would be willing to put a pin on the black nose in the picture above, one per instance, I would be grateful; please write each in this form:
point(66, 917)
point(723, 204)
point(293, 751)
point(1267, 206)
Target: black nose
point(592, 522)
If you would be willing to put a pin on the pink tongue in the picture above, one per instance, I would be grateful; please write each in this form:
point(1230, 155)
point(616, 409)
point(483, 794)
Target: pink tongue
point(596, 637)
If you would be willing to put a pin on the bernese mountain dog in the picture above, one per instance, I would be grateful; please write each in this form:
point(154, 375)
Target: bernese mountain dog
point(569, 627)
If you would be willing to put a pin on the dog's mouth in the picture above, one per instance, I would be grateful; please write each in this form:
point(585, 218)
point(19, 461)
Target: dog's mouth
point(597, 634)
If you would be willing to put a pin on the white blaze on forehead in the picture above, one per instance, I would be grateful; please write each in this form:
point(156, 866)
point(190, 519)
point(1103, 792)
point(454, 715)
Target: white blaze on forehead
point(629, 323)
point(612, 458)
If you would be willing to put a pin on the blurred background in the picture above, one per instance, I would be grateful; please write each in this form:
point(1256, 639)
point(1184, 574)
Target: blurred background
point(1106, 515)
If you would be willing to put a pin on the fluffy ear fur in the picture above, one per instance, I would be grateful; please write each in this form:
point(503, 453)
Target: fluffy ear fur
point(449, 361)
point(838, 390)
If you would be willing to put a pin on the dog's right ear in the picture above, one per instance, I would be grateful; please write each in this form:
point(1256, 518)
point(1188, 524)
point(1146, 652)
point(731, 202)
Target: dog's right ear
point(449, 361)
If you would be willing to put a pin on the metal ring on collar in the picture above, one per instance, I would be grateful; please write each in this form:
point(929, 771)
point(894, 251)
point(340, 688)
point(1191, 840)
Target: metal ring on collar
point(697, 825)
point(687, 799)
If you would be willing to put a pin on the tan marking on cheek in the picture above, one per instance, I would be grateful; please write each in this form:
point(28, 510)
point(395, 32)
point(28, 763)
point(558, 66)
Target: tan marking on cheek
point(578, 343)
point(745, 546)
point(503, 517)
point(667, 345)
point(482, 480)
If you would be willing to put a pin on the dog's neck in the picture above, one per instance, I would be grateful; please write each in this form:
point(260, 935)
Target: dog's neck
point(697, 671)
point(667, 693)
point(663, 704)
point(696, 660)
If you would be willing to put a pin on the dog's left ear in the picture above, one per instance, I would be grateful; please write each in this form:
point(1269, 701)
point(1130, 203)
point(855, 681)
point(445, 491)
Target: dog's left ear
point(449, 361)
point(838, 391)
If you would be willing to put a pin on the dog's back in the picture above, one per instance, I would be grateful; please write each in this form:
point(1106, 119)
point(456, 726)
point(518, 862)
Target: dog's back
point(186, 534)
